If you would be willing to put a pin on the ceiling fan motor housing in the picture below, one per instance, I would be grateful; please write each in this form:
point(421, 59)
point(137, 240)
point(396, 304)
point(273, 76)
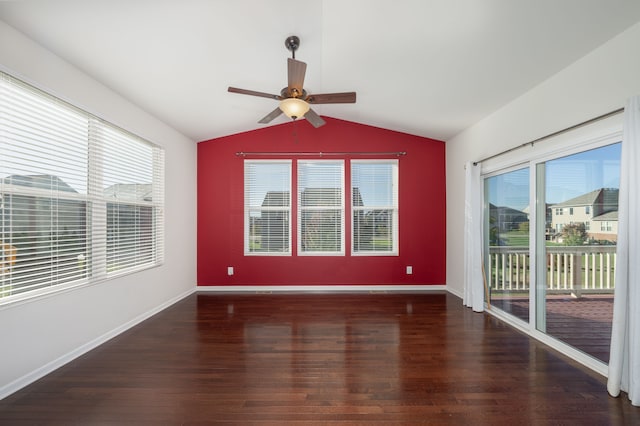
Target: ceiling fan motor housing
point(293, 93)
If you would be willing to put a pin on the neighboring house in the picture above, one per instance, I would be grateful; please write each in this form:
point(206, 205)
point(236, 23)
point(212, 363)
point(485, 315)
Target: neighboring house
point(32, 221)
point(598, 210)
point(605, 226)
point(506, 218)
point(30, 215)
point(271, 229)
point(548, 232)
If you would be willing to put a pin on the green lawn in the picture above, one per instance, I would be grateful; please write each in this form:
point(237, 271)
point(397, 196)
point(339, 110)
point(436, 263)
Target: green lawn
point(515, 238)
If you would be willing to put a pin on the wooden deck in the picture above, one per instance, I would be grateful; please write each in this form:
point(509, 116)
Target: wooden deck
point(320, 359)
point(584, 323)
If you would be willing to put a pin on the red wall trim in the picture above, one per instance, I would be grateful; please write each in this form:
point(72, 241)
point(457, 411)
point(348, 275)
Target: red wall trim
point(422, 214)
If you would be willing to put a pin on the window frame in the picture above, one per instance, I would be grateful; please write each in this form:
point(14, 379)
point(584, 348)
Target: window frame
point(248, 209)
point(595, 135)
point(92, 260)
point(394, 251)
point(340, 208)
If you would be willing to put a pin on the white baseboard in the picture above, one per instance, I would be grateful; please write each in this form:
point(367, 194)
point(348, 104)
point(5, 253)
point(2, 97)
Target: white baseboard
point(455, 292)
point(64, 359)
point(319, 288)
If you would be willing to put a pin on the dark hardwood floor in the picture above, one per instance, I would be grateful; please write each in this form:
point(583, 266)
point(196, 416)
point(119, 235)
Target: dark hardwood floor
point(320, 359)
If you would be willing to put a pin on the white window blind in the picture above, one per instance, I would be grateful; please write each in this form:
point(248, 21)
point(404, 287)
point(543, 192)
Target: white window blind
point(59, 171)
point(374, 203)
point(321, 207)
point(133, 208)
point(267, 201)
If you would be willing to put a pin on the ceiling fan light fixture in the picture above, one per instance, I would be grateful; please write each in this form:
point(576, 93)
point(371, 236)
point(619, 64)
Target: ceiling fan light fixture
point(294, 108)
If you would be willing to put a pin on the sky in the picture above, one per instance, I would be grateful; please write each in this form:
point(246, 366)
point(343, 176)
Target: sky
point(566, 178)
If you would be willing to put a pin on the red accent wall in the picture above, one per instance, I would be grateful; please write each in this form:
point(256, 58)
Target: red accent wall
point(421, 209)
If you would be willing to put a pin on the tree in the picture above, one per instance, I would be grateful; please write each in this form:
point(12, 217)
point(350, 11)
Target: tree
point(574, 234)
point(493, 231)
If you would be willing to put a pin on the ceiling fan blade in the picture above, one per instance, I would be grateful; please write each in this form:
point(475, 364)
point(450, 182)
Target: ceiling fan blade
point(273, 114)
point(295, 71)
point(332, 98)
point(313, 118)
point(254, 93)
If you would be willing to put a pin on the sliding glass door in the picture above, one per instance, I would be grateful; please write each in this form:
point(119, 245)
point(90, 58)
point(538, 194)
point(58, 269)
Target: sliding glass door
point(550, 244)
point(507, 233)
point(575, 293)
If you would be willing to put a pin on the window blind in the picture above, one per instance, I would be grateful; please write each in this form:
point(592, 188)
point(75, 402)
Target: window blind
point(321, 207)
point(59, 171)
point(374, 203)
point(267, 198)
point(125, 180)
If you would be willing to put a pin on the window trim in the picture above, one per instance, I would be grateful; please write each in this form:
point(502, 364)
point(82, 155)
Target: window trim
point(247, 209)
point(395, 207)
point(295, 209)
point(340, 208)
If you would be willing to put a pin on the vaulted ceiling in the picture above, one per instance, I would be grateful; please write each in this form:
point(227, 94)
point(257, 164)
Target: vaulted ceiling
point(425, 67)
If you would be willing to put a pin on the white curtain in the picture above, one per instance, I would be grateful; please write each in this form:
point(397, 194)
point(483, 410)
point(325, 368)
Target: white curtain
point(473, 281)
point(624, 361)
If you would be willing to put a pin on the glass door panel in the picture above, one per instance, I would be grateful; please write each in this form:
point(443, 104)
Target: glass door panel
point(507, 233)
point(574, 294)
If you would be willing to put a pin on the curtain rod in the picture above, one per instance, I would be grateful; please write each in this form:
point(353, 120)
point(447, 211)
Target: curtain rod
point(550, 135)
point(244, 154)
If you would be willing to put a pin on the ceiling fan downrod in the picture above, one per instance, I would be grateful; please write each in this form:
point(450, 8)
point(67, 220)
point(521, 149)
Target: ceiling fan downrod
point(292, 43)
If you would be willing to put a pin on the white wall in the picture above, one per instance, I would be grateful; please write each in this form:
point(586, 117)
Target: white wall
point(41, 334)
point(596, 84)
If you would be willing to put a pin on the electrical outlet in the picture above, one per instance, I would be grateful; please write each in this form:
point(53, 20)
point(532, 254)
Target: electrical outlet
point(409, 270)
point(229, 270)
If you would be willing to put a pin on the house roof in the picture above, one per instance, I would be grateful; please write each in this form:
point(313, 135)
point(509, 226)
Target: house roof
point(321, 197)
point(430, 68)
point(276, 199)
point(609, 198)
point(612, 216)
point(493, 209)
point(129, 191)
point(48, 182)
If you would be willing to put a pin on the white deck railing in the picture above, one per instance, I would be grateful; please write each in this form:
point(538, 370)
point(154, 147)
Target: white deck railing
point(575, 270)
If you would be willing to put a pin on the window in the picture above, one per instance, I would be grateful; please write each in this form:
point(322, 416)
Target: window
point(587, 209)
point(321, 207)
point(127, 176)
point(80, 199)
point(570, 211)
point(558, 212)
point(267, 201)
point(374, 204)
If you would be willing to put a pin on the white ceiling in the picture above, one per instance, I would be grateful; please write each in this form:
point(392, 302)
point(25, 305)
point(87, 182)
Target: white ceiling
point(425, 67)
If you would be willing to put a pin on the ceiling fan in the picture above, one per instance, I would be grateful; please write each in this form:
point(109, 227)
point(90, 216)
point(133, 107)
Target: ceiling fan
point(294, 100)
